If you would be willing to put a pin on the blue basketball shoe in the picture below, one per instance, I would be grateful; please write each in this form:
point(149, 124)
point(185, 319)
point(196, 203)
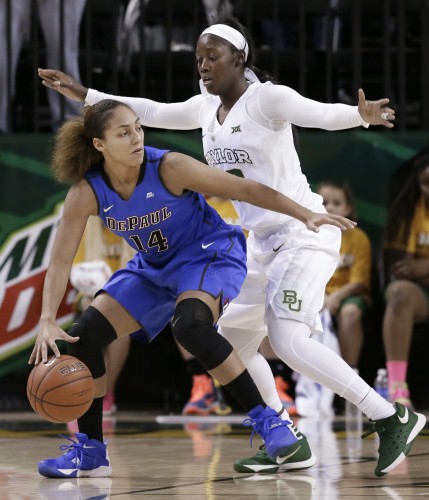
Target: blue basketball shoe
point(279, 438)
point(83, 458)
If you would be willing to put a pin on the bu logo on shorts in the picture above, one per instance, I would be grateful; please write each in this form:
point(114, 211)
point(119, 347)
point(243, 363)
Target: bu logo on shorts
point(290, 298)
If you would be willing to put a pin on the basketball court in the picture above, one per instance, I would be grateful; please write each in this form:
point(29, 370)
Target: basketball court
point(168, 456)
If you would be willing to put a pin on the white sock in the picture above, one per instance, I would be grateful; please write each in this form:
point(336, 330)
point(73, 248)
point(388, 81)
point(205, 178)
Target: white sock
point(261, 373)
point(375, 407)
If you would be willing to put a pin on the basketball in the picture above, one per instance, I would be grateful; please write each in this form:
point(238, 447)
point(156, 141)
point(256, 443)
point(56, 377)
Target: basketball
point(61, 390)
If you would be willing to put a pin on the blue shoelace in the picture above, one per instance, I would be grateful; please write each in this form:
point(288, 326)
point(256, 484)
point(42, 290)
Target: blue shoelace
point(266, 423)
point(72, 451)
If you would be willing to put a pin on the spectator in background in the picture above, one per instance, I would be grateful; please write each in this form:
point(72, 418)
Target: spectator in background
point(346, 298)
point(19, 26)
point(348, 291)
point(155, 39)
point(406, 263)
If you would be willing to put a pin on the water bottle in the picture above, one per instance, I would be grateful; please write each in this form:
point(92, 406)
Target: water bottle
point(381, 385)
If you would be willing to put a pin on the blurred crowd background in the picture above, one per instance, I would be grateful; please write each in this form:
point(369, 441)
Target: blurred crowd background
point(324, 49)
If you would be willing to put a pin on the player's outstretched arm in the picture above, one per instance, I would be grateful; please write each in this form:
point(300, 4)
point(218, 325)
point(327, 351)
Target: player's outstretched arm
point(180, 172)
point(63, 84)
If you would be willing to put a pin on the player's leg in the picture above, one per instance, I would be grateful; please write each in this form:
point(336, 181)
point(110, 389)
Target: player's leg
point(97, 327)
point(205, 286)
point(292, 316)
point(396, 426)
point(244, 327)
point(247, 343)
point(193, 327)
point(116, 312)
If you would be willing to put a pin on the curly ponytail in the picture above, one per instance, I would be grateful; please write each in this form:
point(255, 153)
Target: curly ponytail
point(74, 153)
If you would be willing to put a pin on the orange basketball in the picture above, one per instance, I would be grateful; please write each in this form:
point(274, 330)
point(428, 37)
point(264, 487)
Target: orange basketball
point(61, 390)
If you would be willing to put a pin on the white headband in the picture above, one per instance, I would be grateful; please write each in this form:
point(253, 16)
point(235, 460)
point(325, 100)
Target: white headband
point(230, 34)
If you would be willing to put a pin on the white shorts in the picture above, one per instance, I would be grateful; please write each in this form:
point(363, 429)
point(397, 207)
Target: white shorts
point(287, 273)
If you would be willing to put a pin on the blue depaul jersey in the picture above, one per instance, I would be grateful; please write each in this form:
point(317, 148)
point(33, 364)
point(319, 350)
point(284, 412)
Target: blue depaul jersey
point(154, 221)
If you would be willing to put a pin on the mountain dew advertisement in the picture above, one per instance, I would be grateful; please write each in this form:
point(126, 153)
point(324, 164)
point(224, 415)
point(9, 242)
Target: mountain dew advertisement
point(30, 208)
point(31, 204)
point(24, 258)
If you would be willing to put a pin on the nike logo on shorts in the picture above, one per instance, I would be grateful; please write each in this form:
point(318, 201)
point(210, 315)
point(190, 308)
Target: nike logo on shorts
point(204, 246)
point(278, 248)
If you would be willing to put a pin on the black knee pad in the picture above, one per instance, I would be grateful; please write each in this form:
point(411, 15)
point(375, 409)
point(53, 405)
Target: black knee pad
point(193, 328)
point(95, 332)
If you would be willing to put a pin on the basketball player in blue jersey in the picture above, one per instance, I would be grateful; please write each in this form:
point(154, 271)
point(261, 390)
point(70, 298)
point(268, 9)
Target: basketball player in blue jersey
point(189, 265)
point(247, 130)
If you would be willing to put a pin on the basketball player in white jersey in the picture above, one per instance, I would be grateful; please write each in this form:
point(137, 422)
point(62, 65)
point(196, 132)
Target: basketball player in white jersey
point(247, 130)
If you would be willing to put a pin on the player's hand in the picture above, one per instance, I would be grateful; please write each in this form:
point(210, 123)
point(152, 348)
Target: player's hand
point(315, 220)
point(63, 84)
point(49, 332)
point(376, 112)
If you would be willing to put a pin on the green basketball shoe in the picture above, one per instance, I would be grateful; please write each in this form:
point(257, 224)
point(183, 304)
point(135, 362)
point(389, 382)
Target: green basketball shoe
point(397, 434)
point(297, 456)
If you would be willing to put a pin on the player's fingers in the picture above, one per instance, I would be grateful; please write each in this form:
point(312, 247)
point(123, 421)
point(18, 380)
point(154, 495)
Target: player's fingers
point(43, 72)
point(335, 220)
point(44, 352)
point(32, 356)
point(345, 222)
point(55, 349)
point(339, 224)
point(383, 102)
point(37, 355)
point(47, 71)
point(47, 75)
point(312, 227)
point(70, 339)
point(50, 85)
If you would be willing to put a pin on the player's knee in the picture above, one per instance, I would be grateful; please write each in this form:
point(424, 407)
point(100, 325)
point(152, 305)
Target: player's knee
point(193, 329)
point(95, 332)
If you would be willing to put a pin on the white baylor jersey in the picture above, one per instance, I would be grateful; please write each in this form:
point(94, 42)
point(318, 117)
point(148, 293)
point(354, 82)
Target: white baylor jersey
point(248, 149)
